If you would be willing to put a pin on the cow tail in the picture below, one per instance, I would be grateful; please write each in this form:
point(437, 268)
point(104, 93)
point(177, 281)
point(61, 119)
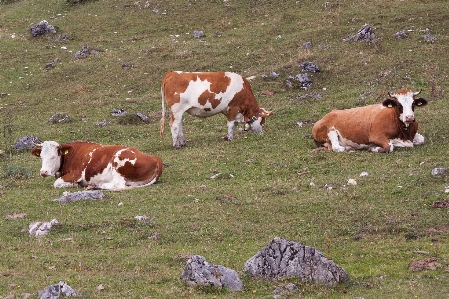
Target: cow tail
point(163, 113)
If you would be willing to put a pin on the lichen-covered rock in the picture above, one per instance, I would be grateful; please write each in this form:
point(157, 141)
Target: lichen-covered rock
point(285, 259)
point(199, 272)
point(41, 28)
point(56, 290)
point(26, 142)
point(68, 197)
point(38, 229)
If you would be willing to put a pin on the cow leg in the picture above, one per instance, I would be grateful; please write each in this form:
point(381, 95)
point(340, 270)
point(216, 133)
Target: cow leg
point(231, 128)
point(418, 139)
point(401, 143)
point(383, 145)
point(176, 130)
point(334, 139)
point(60, 183)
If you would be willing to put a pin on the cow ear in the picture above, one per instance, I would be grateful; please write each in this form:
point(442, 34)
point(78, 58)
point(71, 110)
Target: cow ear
point(389, 103)
point(63, 150)
point(420, 102)
point(36, 152)
point(264, 113)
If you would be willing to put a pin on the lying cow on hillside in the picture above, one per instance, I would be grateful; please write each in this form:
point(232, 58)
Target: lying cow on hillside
point(207, 94)
point(92, 165)
point(378, 127)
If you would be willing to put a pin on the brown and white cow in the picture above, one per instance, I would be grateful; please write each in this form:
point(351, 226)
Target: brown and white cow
point(92, 165)
point(377, 128)
point(207, 94)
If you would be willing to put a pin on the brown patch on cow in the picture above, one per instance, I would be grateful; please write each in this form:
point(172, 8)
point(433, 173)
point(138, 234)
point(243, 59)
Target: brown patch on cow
point(219, 83)
point(430, 263)
point(208, 96)
point(443, 204)
point(403, 91)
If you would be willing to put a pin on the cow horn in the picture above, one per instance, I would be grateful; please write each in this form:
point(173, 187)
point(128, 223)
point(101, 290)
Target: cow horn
point(417, 93)
point(38, 145)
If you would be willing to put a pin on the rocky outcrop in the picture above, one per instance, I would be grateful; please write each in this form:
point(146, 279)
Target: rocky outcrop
point(285, 259)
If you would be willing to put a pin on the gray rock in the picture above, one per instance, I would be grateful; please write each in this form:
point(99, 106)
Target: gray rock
point(56, 290)
point(401, 34)
point(68, 197)
point(307, 45)
point(41, 28)
point(429, 38)
point(85, 51)
point(59, 118)
point(285, 259)
point(142, 116)
point(103, 123)
point(198, 34)
point(437, 171)
point(26, 142)
point(304, 80)
point(199, 272)
point(274, 75)
point(308, 66)
point(118, 112)
point(366, 34)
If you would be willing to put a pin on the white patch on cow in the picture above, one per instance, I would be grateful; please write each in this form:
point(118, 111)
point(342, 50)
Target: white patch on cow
point(256, 127)
point(348, 143)
point(51, 161)
point(398, 142)
point(108, 179)
point(406, 100)
point(333, 136)
point(189, 98)
point(418, 139)
point(120, 162)
point(59, 183)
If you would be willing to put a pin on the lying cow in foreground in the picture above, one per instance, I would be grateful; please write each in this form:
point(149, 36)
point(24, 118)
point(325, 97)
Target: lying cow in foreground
point(92, 165)
point(378, 127)
point(207, 94)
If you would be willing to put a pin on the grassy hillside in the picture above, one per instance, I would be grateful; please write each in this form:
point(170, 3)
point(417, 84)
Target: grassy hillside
point(373, 230)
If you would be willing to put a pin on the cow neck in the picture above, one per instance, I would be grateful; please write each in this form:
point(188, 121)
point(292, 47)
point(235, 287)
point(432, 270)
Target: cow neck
point(64, 159)
point(254, 118)
point(61, 165)
point(403, 128)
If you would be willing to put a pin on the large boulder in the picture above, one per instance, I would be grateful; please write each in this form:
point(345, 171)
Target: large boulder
point(285, 259)
point(199, 272)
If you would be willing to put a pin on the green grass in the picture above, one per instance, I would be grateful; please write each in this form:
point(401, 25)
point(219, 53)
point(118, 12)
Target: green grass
point(374, 228)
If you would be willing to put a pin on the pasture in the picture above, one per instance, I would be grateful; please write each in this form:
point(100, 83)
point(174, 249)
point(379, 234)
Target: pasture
point(263, 188)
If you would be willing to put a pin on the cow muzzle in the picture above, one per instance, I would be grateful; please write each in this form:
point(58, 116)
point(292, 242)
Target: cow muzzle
point(44, 173)
point(409, 118)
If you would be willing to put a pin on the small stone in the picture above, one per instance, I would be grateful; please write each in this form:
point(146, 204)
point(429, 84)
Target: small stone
point(437, 171)
point(352, 182)
point(199, 272)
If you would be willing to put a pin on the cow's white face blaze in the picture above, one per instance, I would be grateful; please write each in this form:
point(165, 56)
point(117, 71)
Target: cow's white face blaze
point(51, 161)
point(406, 102)
point(256, 124)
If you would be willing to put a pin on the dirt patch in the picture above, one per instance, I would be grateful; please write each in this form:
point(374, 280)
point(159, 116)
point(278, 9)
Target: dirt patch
point(443, 204)
point(430, 263)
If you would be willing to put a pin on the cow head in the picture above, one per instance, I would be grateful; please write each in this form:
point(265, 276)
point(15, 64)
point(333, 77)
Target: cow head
point(405, 102)
point(255, 123)
point(49, 152)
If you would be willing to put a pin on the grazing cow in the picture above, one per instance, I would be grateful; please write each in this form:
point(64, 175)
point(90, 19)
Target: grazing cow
point(378, 127)
point(207, 94)
point(92, 165)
